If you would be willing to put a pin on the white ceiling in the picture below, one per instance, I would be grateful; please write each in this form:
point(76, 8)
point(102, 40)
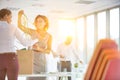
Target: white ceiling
point(61, 8)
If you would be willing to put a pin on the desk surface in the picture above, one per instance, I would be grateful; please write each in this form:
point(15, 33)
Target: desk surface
point(51, 74)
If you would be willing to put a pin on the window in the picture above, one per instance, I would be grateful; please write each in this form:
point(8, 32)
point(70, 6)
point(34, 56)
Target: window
point(114, 24)
point(80, 33)
point(90, 36)
point(101, 25)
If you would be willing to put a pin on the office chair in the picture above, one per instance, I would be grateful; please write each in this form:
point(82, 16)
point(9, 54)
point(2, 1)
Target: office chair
point(102, 44)
point(109, 68)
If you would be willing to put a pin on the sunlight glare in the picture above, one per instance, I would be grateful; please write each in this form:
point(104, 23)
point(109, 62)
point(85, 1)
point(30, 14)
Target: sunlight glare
point(66, 28)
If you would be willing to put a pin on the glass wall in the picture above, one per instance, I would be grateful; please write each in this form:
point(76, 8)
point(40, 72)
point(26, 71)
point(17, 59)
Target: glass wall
point(80, 33)
point(105, 25)
point(114, 24)
point(90, 35)
point(101, 25)
point(81, 37)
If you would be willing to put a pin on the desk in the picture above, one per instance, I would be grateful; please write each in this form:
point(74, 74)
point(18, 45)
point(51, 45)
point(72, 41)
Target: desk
point(55, 74)
point(59, 74)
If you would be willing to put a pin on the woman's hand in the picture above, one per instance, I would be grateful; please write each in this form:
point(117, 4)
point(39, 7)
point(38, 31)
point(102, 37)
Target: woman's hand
point(20, 13)
point(21, 22)
point(36, 48)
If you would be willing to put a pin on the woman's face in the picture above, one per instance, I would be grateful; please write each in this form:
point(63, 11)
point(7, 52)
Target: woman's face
point(40, 23)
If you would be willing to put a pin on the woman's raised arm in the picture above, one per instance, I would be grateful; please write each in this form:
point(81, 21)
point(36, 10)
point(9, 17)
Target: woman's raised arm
point(25, 29)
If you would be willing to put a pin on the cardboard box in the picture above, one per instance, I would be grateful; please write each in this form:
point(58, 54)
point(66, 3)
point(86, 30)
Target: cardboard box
point(25, 59)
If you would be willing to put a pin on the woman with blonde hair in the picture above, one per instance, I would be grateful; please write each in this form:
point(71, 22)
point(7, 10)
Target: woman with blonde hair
point(40, 48)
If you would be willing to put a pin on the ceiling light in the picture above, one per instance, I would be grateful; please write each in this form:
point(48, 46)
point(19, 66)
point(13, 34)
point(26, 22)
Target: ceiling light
point(84, 2)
